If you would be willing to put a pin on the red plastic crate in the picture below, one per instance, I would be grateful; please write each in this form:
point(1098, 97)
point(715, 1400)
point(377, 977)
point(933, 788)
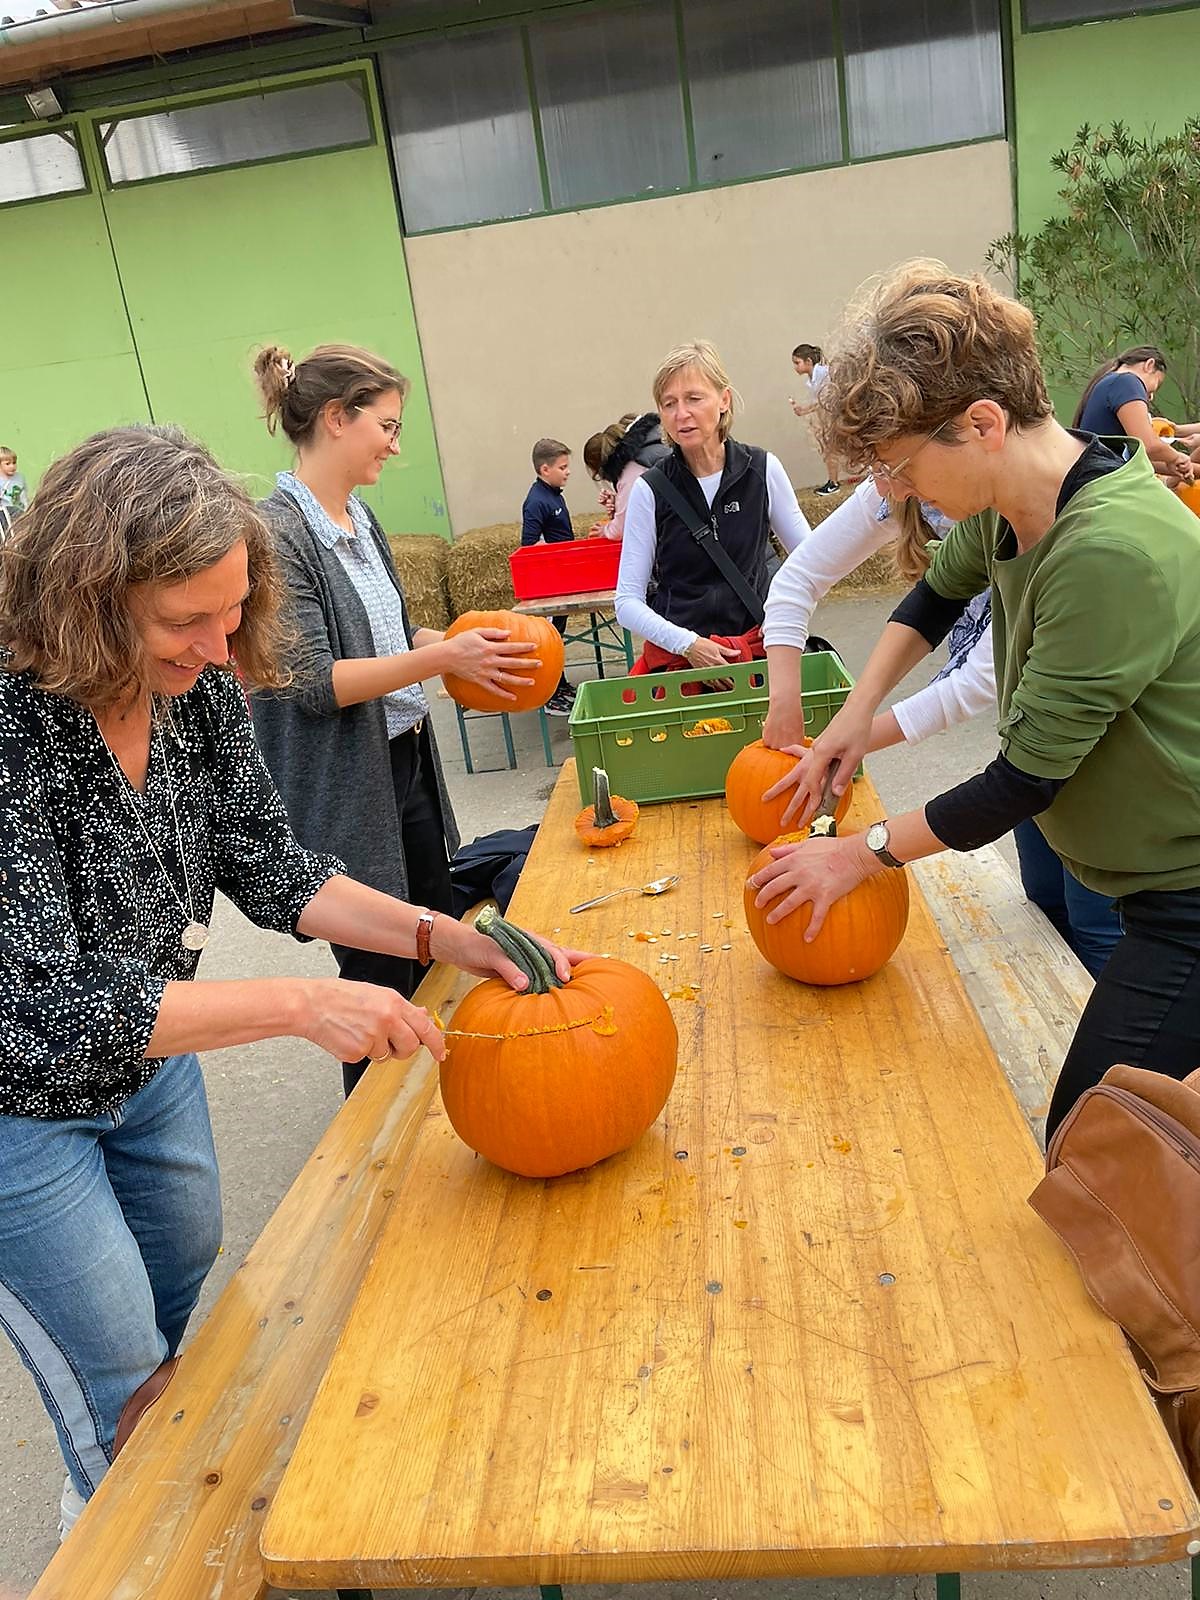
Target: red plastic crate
point(539, 570)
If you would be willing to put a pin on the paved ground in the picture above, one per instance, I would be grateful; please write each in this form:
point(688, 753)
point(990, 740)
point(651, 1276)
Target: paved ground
point(270, 1103)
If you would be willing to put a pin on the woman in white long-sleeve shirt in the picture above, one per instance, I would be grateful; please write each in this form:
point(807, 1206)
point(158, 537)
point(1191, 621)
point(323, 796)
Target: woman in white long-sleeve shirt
point(964, 688)
point(742, 490)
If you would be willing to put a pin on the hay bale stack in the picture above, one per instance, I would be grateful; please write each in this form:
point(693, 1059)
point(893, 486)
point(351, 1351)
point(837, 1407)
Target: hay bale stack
point(477, 571)
point(421, 561)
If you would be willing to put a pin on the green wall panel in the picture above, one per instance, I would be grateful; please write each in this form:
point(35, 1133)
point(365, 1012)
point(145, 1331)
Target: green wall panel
point(1137, 70)
point(67, 360)
point(297, 252)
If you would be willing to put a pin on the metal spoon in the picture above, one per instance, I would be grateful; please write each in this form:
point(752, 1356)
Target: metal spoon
point(655, 886)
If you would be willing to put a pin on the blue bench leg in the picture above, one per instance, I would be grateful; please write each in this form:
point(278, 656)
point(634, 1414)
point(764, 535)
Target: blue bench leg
point(544, 724)
point(462, 735)
point(551, 1591)
point(354, 1594)
point(628, 641)
point(508, 740)
point(949, 1586)
point(1196, 1578)
point(596, 644)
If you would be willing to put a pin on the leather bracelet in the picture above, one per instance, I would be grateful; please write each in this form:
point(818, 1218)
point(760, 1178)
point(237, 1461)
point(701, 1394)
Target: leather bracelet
point(424, 934)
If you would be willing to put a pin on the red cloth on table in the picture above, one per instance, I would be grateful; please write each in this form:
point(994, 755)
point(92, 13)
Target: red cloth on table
point(653, 658)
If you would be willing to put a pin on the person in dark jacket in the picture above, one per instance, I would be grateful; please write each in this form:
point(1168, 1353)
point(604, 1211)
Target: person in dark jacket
point(740, 489)
point(617, 458)
point(351, 747)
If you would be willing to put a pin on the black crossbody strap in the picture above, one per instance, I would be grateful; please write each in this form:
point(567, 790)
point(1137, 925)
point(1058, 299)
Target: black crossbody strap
point(705, 535)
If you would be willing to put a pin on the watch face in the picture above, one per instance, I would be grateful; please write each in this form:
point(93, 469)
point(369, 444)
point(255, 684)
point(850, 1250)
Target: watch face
point(877, 836)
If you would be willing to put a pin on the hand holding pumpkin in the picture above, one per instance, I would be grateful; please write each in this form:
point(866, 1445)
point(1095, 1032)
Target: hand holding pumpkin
point(842, 745)
point(490, 658)
point(464, 946)
point(816, 872)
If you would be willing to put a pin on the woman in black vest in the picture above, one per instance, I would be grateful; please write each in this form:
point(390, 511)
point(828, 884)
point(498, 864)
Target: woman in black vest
point(740, 491)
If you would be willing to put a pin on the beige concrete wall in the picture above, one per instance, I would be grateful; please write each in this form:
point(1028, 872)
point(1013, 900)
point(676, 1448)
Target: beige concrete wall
point(554, 325)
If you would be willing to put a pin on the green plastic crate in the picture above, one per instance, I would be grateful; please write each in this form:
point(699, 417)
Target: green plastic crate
point(635, 727)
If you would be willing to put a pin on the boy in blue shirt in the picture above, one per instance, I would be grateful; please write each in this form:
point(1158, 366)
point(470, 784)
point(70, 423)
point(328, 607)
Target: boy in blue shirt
point(545, 516)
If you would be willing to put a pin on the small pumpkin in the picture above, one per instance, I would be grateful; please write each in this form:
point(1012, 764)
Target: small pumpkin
point(1163, 428)
point(610, 820)
point(1189, 493)
point(751, 773)
point(559, 1076)
point(548, 649)
point(860, 934)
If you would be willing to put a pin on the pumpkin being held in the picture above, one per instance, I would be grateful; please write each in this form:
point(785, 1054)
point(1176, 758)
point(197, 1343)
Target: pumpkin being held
point(751, 773)
point(559, 1076)
point(610, 820)
point(861, 932)
point(548, 649)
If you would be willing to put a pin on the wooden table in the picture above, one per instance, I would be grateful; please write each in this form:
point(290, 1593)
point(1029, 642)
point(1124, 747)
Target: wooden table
point(604, 634)
point(807, 1326)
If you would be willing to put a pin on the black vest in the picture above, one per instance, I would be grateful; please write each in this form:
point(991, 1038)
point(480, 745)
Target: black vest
point(689, 590)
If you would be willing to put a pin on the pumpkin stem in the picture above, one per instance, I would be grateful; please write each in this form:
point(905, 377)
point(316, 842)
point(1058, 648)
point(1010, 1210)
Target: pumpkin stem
point(605, 816)
point(522, 949)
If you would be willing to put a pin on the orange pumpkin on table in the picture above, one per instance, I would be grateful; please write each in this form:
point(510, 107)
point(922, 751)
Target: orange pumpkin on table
point(559, 1076)
point(1189, 493)
point(610, 820)
point(548, 649)
point(751, 773)
point(860, 934)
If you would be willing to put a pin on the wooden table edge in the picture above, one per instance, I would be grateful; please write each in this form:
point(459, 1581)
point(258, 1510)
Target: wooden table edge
point(683, 1566)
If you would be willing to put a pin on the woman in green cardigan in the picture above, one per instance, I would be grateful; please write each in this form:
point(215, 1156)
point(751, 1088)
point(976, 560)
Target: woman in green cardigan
point(1095, 572)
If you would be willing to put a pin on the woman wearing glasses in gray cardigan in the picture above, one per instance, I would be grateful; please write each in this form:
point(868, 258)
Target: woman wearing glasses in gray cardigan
point(351, 747)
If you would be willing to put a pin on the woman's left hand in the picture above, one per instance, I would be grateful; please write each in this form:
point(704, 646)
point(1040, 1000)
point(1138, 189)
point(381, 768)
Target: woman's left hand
point(484, 957)
point(816, 871)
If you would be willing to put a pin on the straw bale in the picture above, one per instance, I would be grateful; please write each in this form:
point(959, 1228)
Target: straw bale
point(877, 571)
point(421, 560)
point(477, 570)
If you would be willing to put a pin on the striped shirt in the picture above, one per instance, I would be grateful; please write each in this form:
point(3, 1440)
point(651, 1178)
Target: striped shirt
point(356, 551)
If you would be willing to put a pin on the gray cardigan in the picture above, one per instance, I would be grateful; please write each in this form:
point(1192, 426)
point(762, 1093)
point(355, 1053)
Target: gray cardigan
point(331, 762)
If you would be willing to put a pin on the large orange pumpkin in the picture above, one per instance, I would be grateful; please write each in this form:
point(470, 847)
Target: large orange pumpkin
point(751, 773)
point(860, 934)
point(1189, 493)
point(548, 649)
point(562, 1075)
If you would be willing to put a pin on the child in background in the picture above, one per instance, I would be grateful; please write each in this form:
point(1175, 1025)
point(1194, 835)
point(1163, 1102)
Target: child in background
point(545, 516)
point(14, 496)
point(808, 362)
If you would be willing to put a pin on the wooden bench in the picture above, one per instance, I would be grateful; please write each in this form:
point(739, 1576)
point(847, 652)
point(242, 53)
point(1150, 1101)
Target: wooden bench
point(181, 1512)
point(178, 1516)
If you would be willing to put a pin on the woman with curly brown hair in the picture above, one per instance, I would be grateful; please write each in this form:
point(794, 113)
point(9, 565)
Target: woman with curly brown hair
point(1095, 574)
point(131, 789)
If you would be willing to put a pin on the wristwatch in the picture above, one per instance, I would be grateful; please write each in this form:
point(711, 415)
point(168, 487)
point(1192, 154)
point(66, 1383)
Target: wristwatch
point(424, 931)
point(878, 839)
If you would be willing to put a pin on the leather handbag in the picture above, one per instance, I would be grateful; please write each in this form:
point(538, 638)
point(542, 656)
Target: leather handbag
point(1122, 1191)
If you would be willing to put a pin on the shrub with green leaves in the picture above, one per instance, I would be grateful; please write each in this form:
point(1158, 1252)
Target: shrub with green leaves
point(1120, 264)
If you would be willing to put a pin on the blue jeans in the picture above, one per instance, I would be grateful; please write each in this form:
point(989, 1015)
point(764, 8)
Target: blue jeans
point(1086, 920)
point(108, 1227)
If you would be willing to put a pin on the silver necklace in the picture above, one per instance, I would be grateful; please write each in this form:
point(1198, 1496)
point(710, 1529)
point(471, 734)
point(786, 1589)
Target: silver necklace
point(195, 933)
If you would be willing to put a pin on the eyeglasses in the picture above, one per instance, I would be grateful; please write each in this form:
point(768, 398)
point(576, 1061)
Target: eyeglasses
point(390, 425)
point(895, 477)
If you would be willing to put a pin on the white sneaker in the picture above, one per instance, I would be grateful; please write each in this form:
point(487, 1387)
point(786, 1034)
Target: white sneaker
point(69, 1508)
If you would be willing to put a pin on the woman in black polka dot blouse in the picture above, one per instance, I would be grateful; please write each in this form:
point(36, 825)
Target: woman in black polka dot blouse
point(130, 789)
